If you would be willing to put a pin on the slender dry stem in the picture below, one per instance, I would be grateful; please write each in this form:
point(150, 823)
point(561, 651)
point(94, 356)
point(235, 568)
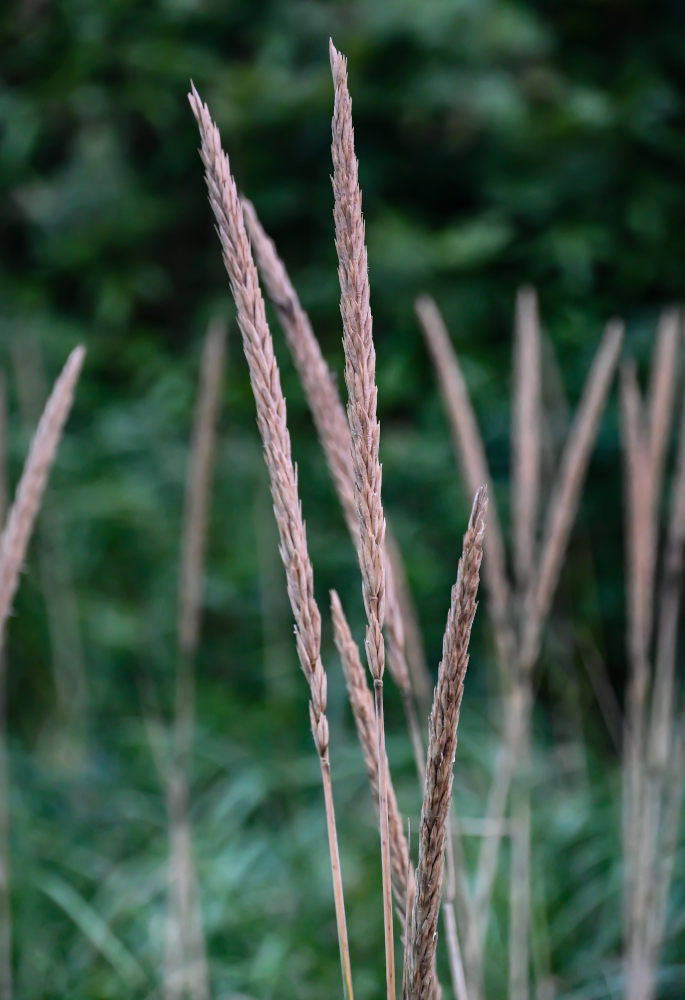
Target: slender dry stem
point(526, 426)
point(665, 859)
point(663, 701)
point(187, 972)
point(449, 916)
point(199, 486)
point(649, 728)
point(470, 453)
point(52, 553)
point(640, 546)
point(508, 757)
point(442, 744)
point(565, 494)
point(519, 924)
point(186, 949)
point(5, 907)
point(271, 420)
point(17, 530)
point(661, 392)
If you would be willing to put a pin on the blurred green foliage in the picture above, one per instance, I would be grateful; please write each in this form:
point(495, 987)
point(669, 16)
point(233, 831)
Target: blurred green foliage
point(500, 143)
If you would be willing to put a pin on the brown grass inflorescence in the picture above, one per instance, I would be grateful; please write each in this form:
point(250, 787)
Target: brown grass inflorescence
point(442, 745)
point(271, 420)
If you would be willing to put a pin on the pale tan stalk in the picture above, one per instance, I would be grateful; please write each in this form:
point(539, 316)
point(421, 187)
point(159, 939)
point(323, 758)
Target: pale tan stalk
point(449, 916)
point(457, 974)
point(5, 907)
point(526, 425)
point(52, 554)
point(565, 494)
point(659, 408)
point(194, 532)
point(517, 711)
point(442, 744)
point(666, 856)
point(187, 972)
point(409, 903)
point(360, 376)
point(640, 528)
point(649, 745)
point(663, 701)
point(27, 499)
point(199, 486)
point(186, 951)
point(333, 430)
point(661, 392)
point(271, 420)
point(519, 924)
point(470, 453)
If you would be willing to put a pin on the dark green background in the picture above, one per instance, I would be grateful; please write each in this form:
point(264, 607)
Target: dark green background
point(499, 144)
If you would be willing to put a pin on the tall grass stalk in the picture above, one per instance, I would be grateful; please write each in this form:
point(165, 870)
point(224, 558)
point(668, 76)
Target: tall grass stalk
point(360, 377)
point(66, 644)
point(18, 525)
point(442, 745)
point(5, 901)
point(29, 494)
point(526, 426)
point(186, 962)
point(271, 420)
point(470, 451)
point(653, 714)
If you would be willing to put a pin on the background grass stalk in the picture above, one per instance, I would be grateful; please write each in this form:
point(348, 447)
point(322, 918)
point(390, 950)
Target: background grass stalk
point(186, 968)
point(5, 884)
point(651, 708)
point(14, 540)
point(517, 650)
point(470, 452)
point(526, 426)
point(66, 645)
point(29, 494)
